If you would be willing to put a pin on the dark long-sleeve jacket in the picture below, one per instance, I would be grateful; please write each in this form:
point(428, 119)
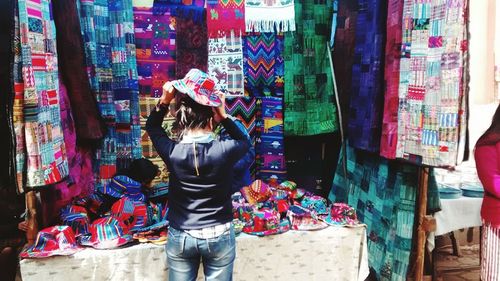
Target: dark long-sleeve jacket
point(201, 173)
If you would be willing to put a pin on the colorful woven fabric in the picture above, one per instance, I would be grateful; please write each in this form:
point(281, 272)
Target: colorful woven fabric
point(192, 42)
point(225, 63)
point(257, 192)
point(384, 196)
point(155, 43)
point(86, 115)
point(367, 97)
point(269, 146)
point(309, 99)
point(343, 53)
point(264, 66)
point(185, 9)
point(45, 154)
point(225, 16)
point(432, 108)
point(247, 111)
point(107, 233)
point(269, 15)
point(109, 43)
point(391, 96)
point(149, 152)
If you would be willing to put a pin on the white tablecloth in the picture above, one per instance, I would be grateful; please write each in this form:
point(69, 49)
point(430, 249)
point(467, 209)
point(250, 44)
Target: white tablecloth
point(456, 214)
point(335, 253)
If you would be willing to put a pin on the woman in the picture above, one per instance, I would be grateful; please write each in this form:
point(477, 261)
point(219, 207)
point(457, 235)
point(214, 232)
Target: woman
point(487, 155)
point(201, 170)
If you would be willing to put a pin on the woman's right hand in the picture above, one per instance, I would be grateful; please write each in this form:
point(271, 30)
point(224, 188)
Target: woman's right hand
point(168, 93)
point(220, 111)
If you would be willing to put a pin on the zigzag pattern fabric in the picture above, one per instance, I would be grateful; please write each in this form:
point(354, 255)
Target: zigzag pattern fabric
point(263, 65)
point(247, 111)
point(43, 157)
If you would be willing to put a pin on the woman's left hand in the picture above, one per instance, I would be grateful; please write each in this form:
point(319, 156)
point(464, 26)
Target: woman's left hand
point(168, 93)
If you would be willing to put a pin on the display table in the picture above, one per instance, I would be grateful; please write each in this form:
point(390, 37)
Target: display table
point(335, 253)
point(456, 214)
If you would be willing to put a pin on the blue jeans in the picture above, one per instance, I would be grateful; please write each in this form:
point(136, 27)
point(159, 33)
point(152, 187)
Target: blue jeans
point(184, 253)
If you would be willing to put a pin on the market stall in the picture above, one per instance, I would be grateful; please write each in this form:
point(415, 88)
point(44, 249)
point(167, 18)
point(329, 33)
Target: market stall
point(335, 251)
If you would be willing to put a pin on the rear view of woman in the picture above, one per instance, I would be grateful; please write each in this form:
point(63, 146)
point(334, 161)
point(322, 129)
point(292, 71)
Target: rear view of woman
point(201, 168)
point(487, 155)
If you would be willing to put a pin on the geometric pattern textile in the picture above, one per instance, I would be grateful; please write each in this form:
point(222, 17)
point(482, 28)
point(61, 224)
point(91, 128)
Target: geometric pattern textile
point(388, 140)
point(367, 97)
point(263, 64)
point(225, 63)
point(270, 145)
point(384, 196)
point(309, 100)
point(155, 48)
point(432, 87)
point(108, 28)
point(248, 112)
point(225, 16)
point(45, 157)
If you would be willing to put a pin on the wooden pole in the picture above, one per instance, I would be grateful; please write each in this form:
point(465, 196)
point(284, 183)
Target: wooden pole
point(422, 228)
point(31, 219)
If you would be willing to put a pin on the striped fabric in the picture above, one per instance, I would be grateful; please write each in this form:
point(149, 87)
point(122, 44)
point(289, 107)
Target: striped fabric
point(264, 66)
point(44, 159)
point(490, 249)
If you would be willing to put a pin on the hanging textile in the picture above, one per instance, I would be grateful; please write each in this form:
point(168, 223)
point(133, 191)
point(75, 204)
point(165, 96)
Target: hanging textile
point(225, 63)
point(80, 181)
point(88, 123)
point(192, 42)
point(225, 16)
point(185, 9)
point(384, 196)
point(269, 16)
point(269, 145)
point(17, 106)
point(343, 54)
point(7, 140)
point(45, 156)
point(497, 49)
point(109, 44)
point(432, 107)
point(263, 64)
point(392, 60)
point(155, 43)
point(309, 100)
point(366, 107)
point(334, 23)
point(248, 112)
point(147, 104)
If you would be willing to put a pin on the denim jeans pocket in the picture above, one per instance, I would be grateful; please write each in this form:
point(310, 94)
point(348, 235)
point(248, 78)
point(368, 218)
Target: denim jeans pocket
point(222, 247)
point(175, 242)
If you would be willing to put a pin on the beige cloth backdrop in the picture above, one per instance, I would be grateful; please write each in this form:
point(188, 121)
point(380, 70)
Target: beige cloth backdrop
point(334, 253)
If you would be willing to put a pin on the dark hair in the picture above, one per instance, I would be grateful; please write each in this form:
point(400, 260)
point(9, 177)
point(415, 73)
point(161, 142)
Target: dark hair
point(492, 134)
point(189, 114)
point(141, 170)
